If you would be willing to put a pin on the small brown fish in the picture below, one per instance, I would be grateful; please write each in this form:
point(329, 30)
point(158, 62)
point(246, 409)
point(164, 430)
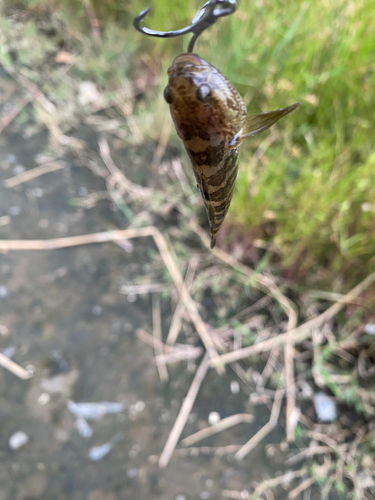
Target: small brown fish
point(211, 119)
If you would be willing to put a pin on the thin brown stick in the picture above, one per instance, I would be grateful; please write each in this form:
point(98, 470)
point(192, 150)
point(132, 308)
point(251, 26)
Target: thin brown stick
point(14, 368)
point(226, 423)
point(265, 430)
point(51, 166)
point(169, 354)
point(219, 451)
point(300, 333)
point(184, 413)
point(94, 22)
point(300, 488)
point(285, 478)
point(156, 322)
point(152, 341)
point(309, 452)
point(181, 354)
point(7, 120)
point(162, 141)
point(145, 288)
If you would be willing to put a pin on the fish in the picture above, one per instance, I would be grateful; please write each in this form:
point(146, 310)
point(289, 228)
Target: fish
point(211, 119)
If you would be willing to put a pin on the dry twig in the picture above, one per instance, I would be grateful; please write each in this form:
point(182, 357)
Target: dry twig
point(226, 423)
point(265, 430)
point(33, 173)
point(14, 368)
point(184, 413)
point(156, 322)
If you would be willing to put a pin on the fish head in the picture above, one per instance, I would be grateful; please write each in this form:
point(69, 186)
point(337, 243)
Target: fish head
point(204, 105)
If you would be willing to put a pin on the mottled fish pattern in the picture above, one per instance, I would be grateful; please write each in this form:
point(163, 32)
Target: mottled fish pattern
point(210, 118)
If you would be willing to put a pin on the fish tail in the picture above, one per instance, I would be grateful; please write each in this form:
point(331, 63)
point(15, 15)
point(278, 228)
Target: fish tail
point(213, 239)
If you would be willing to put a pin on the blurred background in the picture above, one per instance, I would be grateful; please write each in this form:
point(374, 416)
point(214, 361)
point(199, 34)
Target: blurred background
point(87, 145)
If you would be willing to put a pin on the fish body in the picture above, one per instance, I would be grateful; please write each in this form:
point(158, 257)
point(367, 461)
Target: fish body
point(211, 119)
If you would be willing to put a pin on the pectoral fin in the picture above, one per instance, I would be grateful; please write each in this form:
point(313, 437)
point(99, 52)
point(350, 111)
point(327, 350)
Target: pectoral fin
point(257, 123)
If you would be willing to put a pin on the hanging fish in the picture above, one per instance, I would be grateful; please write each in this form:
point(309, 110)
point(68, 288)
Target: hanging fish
point(210, 116)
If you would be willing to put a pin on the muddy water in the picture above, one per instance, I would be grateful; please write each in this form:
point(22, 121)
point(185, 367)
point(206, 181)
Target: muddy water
point(64, 316)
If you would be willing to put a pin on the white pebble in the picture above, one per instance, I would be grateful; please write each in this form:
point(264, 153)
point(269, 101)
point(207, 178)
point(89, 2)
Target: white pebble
point(3, 292)
point(18, 169)
point(234, 387)
point(97, 310)
point(366, 207)
point(83, 428)
point(14, 210)
point(98, 452)
point(325, 407)
point(180, 497)
point(213, 418)
point(17, 440)
point(370, 328)
point(204, 495)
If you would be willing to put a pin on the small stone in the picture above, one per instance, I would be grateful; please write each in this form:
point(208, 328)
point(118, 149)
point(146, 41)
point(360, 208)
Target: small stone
point(132, 473)
point(325, 407)
point(14, 210)
point(97, 310)
point(234, 387)
point(213, 418)
point(18, 169)
point(87, 93)
point(98, 452)
point(17, 440)
point(4, 331)
point(370, 328)
point(366, 207)
point(82, 191)
point(3, 292)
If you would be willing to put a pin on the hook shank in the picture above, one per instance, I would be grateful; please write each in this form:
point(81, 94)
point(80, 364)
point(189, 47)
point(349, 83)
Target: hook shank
point(207, 15)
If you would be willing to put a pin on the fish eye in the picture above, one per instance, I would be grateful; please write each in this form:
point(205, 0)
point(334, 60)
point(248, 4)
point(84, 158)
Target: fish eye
point(168, 95)
point(204, 93)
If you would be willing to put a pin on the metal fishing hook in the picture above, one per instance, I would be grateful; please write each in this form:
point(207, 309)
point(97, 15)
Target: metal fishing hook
point(207, 15)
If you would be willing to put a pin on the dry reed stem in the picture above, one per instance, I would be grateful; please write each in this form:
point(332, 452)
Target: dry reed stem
point(7, 120)
point(309, 452)
point(226, 423)
point(135, 190)
point(184, 413)
point(265, 430)
point(152, 341)
point(14, 368)
point(285, 478)
point(94, 22)
point(51, 166)
point(181, 354)
point(118, 235)
point(176, 322)
point(174, 354)
point(300, 488)
point(162, 141)
point(219, 451)
point(300, 333)
point(145, 288)
point(156, 323)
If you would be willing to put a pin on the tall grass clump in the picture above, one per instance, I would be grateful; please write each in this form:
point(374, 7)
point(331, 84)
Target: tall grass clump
point(315, 178)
